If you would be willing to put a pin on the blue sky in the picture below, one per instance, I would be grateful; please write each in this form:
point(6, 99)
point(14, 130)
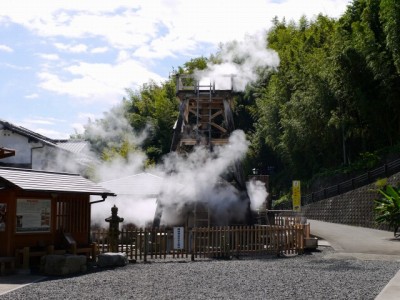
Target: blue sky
point(64, 62)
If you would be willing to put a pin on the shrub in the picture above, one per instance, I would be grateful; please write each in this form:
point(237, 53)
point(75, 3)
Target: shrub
point(387, 208)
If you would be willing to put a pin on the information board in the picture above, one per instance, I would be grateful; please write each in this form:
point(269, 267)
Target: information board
point(33, 215)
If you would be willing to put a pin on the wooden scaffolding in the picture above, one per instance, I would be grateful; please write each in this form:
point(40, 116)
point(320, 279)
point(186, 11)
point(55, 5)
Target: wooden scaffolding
point(205, 118)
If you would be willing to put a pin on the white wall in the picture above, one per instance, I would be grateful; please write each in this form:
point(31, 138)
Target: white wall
point(18, 143)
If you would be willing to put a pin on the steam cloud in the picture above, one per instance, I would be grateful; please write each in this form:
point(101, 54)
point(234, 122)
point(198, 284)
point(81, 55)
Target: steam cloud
point(241, 59)
point(197, 177)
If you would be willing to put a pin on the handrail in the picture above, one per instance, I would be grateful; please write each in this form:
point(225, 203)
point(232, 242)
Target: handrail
point(386, 170)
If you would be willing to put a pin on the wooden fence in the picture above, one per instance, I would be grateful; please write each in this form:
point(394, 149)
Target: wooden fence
point(144, 244)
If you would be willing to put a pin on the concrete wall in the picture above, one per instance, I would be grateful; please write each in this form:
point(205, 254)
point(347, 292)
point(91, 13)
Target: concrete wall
point(352, 208)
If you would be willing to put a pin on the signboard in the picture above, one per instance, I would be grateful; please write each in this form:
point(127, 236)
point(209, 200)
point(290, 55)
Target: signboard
point(178, 238)
point(296, 195)
point(33, 215)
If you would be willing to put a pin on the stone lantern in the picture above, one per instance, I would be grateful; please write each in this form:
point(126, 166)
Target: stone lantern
point(113, 231)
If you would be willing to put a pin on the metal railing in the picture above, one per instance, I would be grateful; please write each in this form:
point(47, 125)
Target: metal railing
point(354, 183)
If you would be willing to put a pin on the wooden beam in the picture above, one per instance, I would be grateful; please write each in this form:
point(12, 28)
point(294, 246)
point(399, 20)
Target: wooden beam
point(218, 127)
point(4, 152)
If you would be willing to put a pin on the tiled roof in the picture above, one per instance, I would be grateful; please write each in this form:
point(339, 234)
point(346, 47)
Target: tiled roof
point(32, 180)
point(75, 146)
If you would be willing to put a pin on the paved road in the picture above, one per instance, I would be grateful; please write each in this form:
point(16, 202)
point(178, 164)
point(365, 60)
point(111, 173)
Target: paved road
point(362, 243)
point(351, 239)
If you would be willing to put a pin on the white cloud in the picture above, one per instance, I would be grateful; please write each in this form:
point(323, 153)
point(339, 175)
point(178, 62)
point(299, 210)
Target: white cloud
point(5, 48)
point(98, 81)
point(39, 121)
point(44, 126)
point(49, 56)
point(15, 67)
point(134, 35)
point(32, 96)
point(78, 48)
point(53, 134)
point(124, 24)
point(99, 50)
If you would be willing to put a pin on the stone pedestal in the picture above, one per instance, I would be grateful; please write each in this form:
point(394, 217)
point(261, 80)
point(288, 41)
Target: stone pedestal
point(311, 243)
point(63, 264)
point(111, 259)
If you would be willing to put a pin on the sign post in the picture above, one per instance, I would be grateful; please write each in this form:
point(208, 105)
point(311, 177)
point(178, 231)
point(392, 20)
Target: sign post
point(178, 238)
point(296, 196)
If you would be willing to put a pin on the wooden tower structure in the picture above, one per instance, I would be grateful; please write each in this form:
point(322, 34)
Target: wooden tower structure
point(205, 115)
point(205, 118)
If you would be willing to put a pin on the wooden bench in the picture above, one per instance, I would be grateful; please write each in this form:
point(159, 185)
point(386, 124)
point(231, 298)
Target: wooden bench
point(4, 260)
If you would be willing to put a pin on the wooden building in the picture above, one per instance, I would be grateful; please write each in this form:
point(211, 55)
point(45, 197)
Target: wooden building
point(37, 209)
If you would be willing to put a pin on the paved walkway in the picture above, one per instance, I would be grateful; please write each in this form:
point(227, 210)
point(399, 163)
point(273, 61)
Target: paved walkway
point(12, 282)
point(362, 243)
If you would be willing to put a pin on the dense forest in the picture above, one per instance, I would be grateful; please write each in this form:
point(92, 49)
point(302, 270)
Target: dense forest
point(332, 105)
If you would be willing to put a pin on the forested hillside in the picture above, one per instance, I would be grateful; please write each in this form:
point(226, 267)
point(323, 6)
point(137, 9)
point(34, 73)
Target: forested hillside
point(333, 102)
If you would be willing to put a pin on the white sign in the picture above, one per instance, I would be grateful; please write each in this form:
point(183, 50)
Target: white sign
point(33, 215)
point(179, 237)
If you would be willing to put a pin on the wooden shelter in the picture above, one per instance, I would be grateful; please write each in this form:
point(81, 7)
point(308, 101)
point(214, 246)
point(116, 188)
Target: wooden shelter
point(38, 208)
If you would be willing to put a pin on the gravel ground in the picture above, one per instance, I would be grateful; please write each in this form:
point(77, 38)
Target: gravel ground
point(310, 276)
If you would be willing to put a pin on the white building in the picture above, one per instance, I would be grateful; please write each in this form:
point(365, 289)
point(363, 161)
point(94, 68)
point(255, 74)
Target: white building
point(35, 151)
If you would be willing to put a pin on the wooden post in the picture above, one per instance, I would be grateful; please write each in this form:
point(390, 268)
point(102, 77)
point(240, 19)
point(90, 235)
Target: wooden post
point(145, 246)
point(94, 251)
point(25, 258)
point(193, 243)
point(50, 249)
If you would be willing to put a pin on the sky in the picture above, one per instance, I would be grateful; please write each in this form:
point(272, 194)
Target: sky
point(65, 62)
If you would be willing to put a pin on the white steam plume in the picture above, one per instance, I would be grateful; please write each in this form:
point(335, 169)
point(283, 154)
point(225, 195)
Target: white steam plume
point(257, 193)
point(242, 60)
point(112, 132)
point(197, 178)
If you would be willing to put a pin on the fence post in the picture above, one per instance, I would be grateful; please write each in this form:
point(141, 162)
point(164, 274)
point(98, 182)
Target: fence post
point(193, 250)
point(145, 246)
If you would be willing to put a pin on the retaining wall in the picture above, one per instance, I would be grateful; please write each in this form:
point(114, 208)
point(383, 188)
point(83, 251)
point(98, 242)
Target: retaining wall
point(354, 208)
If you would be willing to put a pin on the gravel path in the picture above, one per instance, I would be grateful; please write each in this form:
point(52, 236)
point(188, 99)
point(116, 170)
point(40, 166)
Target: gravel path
point(310, 276)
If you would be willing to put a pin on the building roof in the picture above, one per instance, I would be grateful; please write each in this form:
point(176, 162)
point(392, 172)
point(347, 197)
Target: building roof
point(142, 185)
point(36, 137)
point(75, 146)
point(80, 149)
point(42, 181)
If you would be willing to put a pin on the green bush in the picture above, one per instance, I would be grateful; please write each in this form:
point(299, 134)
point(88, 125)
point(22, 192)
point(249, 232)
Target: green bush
point(387, 208)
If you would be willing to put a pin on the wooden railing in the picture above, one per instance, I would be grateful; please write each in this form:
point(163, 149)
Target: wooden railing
point(144, 244)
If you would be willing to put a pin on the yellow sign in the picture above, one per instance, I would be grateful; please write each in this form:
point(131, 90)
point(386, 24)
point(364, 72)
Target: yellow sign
point(296, 195)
